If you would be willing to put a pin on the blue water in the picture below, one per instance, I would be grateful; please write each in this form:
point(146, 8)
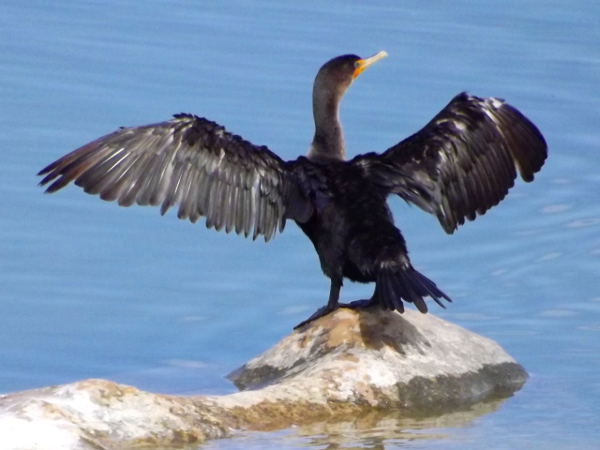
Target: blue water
point(88, 289)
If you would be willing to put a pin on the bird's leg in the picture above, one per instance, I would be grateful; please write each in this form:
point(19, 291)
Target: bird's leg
point(334, 294)
point(332, 303)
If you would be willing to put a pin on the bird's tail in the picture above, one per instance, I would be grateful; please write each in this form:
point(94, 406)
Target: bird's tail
point(409, 285)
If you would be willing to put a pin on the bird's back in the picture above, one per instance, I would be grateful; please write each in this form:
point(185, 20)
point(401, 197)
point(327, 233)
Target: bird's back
point(354, 225)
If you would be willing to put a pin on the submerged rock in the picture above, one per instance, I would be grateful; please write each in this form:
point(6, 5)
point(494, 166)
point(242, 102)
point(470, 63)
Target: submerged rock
point(344, 364)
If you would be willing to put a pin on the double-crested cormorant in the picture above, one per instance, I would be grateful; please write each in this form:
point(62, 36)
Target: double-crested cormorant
point(458, 166)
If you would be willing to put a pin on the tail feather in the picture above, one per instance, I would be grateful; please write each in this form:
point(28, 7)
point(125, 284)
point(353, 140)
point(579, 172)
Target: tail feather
point(409, 285)
point(434, 292)
point(409, 290)
point(387, 297)
point(395, 290)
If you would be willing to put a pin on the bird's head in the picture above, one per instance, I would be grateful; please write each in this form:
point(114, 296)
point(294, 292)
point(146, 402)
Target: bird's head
point(338, 73)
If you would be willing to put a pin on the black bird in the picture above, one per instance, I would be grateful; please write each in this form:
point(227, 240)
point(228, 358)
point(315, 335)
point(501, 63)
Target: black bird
point(458, 166)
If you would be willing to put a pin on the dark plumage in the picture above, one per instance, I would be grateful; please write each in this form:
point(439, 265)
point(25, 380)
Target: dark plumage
point(458, 166)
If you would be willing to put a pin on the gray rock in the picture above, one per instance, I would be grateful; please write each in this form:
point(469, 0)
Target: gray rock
point(343, 365)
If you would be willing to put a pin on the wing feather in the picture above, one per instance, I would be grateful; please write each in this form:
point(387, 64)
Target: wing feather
point(190, 162)
point(463, 162)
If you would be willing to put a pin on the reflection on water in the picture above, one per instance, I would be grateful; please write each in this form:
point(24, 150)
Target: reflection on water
point(377, 430)
point(88, 289)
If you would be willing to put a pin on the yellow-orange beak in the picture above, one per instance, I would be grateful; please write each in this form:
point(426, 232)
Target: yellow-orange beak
point(362, 64)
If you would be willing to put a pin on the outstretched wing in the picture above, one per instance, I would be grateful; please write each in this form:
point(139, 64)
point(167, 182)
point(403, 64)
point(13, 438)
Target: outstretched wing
point(190, 162)
point(463, 162)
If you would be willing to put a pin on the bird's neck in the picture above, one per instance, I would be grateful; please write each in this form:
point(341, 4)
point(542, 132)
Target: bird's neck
point(328, 142)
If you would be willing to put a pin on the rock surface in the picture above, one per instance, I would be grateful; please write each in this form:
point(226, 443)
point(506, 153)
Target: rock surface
point(344, 364)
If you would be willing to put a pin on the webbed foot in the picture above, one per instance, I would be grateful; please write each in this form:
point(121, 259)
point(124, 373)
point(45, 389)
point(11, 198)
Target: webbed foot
point(323, 311)
point(359, 304)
